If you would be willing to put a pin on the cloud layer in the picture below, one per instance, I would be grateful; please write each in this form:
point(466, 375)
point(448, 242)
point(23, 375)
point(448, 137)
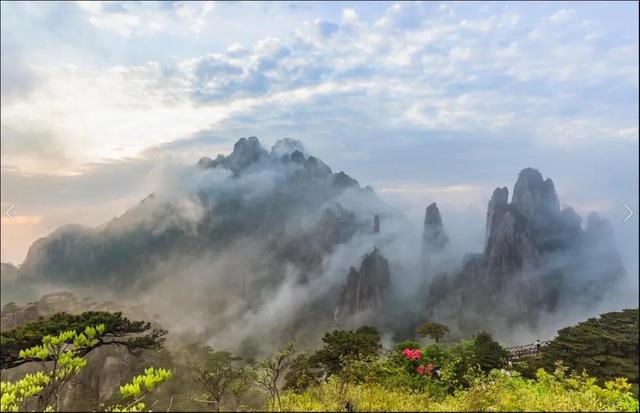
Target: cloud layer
point(428, 101)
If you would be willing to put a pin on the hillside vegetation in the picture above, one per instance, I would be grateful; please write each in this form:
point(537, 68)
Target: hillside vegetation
point(350, 372)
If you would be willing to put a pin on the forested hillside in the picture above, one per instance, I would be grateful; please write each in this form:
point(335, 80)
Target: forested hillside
point(351, 371)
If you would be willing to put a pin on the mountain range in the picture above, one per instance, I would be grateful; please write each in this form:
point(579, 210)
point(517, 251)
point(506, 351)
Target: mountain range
point(272, 243)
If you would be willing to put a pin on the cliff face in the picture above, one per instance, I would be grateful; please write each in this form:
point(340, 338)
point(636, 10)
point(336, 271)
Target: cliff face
point(365, 288)
point(434, 237)
point(509, 246)
point(536, 257)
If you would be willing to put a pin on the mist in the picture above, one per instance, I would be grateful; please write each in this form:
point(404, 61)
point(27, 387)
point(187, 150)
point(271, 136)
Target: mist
point(254, 251)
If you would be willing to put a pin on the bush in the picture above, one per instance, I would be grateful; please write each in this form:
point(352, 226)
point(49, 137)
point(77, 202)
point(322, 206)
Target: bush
point(500, 391)
point(334, 396)
point(496, 391)
point(606, 347)
point(489, 354)
point(339, 344)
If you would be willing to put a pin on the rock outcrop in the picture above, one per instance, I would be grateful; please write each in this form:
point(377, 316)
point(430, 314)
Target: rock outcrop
point(246, 152)
point(534, 255)
point(434, 237)
point(286, 146)
point(376, 224)
point(365, 288)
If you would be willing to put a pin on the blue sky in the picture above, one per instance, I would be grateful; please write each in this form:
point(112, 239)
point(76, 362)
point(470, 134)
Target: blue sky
point(425, 101)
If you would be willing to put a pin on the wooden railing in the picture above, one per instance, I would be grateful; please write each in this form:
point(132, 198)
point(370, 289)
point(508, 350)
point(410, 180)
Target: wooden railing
point(527, 350)
point(513, 353)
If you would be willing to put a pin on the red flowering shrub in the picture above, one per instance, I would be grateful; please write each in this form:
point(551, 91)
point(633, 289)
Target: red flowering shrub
point(422, 369)
point(416, 355)
point(412, 354)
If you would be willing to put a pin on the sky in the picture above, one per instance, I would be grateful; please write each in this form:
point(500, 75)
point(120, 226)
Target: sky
point(424, 101)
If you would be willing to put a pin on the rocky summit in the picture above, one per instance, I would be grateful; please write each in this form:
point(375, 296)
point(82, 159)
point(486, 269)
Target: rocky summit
point(434, 237)
point(536, 258)
point(284, 197)
point(259, 227)
point(366, 288)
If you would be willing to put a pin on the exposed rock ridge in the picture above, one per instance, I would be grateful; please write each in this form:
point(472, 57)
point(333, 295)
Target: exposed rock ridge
point(434, 237)
point(365, 288)
point(534, 254)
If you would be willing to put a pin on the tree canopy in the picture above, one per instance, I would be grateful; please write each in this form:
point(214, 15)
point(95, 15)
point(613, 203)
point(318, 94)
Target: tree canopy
point(338, 344)
point(216, 376)
point(489, 354)
point(135, 335)
point(62, 350)
point(606, 347)
point(432, 329)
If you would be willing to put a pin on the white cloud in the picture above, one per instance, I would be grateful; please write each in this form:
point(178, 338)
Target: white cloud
point(562, 16)
point(146, 18)
point(499, 75)
point(194, 13)
point(349, 15)
point(122, 22)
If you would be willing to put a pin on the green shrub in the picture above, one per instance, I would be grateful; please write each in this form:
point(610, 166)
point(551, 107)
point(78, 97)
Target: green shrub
point(496, 391)
point(489, 354)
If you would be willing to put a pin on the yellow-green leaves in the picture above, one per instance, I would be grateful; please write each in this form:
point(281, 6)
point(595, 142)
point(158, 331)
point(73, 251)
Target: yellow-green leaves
point(494, 391)
point(63, 349)
point(15, 394)
point(60, 358)
point(35, 353)
point(137, 407)
point(144, 382)
point(136, 390)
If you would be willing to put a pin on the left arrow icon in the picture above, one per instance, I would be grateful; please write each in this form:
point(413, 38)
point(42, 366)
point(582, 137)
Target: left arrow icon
point(8, 213)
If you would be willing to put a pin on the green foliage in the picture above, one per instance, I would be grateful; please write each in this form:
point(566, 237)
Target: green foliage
point(453, 367)
point(433, 330)
point(63, 351)
point(340, 344)
point(334, 395)
point(216, 376)
point(500, 391)
point(489, 354)
point(140, 386)
point(496, 391)
point(412, 345)
point(135, 335)
point(606, 347)
point(437, 354)
point(269, 372)
point(10, 307)
point(460, 367)
point(301, 375)
point(60, 359)
point(14, 395)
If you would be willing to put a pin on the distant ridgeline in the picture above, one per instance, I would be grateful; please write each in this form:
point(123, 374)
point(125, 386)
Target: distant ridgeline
point(245, 225)
point(14, 315)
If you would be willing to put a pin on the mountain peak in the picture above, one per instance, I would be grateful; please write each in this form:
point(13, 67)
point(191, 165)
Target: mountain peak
point(246, 151)
point(533, 194)
point(286, 146)
point(434, 237)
